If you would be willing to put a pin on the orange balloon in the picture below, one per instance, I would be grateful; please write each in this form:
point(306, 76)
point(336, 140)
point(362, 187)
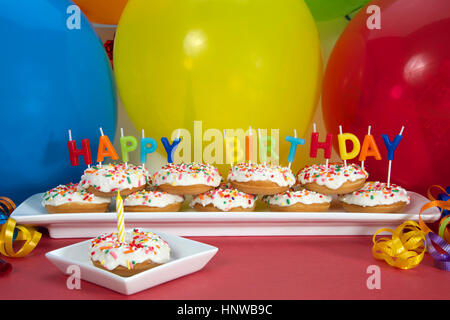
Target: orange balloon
point(102, 11)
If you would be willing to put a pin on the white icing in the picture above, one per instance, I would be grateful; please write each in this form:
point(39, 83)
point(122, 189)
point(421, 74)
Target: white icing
point(113, 177)
point(376, 193)
point(187, 175)
point(70, 193)
point(290, 198)
point(111, 253)
point(333, 176)
point(245, 172)
point(225, 199)
point(152, 199)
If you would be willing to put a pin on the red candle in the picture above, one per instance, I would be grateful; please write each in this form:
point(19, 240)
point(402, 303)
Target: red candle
point(75, 153)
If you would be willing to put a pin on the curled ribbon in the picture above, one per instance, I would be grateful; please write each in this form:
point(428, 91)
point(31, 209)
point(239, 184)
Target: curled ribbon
point(8, 234)
point(438, 245)
point(405, 249)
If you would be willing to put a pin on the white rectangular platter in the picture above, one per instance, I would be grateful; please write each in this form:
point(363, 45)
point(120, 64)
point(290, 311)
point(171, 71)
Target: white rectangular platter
point(191, 223)
point(187, 256)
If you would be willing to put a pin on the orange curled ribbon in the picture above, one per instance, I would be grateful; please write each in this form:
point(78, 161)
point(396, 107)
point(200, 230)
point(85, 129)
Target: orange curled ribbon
point(443, 231)
point(27, 234)
point(405, 249)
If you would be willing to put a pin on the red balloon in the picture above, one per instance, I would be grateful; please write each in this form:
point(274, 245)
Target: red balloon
point(394, 76)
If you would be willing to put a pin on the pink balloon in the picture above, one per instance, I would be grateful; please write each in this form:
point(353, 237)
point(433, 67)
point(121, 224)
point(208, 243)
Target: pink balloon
point(394, 76)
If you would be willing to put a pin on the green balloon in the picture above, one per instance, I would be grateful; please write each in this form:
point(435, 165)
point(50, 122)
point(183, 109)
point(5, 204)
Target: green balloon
point(323, 10)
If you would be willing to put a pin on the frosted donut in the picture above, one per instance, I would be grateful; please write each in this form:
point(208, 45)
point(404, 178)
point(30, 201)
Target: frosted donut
point(224, 200)
point(150, 201)
point(106, 179)
point(336, 178)
point(261, 179)
point(300, 201)
point(70, 199)
point(376, 197)
point(191, 178)
point(140, 251)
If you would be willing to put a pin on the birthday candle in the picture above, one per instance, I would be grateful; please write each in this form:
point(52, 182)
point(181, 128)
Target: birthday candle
point(75, 153)
point(369, 148)
point(148, 145)
point(249, 145)
point(170, 148)
point(105, 149)
point(127, 144)
point(294, 141)
point(342, 138)
point(120, 218)
point(391, 146)
point(315, 145)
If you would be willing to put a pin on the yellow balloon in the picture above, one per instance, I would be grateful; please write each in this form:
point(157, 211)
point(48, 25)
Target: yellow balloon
point(228, 63)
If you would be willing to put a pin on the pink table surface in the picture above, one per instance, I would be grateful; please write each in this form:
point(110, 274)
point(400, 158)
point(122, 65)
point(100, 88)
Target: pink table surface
point(302, 267)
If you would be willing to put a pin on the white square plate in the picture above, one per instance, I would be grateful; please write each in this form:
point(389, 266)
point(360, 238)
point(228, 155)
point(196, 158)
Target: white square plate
point(187, 256)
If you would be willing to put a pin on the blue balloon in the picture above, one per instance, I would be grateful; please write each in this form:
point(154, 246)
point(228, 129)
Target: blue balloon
point(54, 76)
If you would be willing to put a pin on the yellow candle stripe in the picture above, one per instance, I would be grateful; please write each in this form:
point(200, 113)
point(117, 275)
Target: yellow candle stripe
point(120, 218)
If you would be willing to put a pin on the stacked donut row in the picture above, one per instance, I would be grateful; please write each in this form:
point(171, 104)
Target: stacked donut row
point(277, 186)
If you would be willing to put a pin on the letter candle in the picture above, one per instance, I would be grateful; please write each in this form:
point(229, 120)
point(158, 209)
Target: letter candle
point(249, 145)
point(120, 218)
point(315, 145)
point(127, 144)
point(105, 149)
point(391, 146)
point(369, 148)
point(294, 141)
point(145, 149)
point(259, 141)
point(74, 153)
point(368, 133)
point(342, 138)
point(170, 148)
point(143, 137)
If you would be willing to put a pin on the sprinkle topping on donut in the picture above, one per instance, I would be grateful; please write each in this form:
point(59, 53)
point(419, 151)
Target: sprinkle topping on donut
point(244, 172)
point(290, 198)
point(139, 246)
point(187, 174)
point(113, 177)
point(70, 193)
point(225, 199)
point(376, 193)
point(332, 176)
point(152, 199)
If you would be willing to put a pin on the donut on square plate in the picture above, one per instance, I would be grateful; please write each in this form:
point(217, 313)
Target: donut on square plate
point(152, 201)
point(70, 199)
point(187, 179)
point(298, 201)
point(376, 197)
point(105, 180)
point(260, 179)
point(336, 178)
point(224, 199)
point(139, 252)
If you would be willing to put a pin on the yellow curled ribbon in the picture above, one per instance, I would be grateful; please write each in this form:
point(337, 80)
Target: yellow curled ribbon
point(405, 249)
point(27, 234)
